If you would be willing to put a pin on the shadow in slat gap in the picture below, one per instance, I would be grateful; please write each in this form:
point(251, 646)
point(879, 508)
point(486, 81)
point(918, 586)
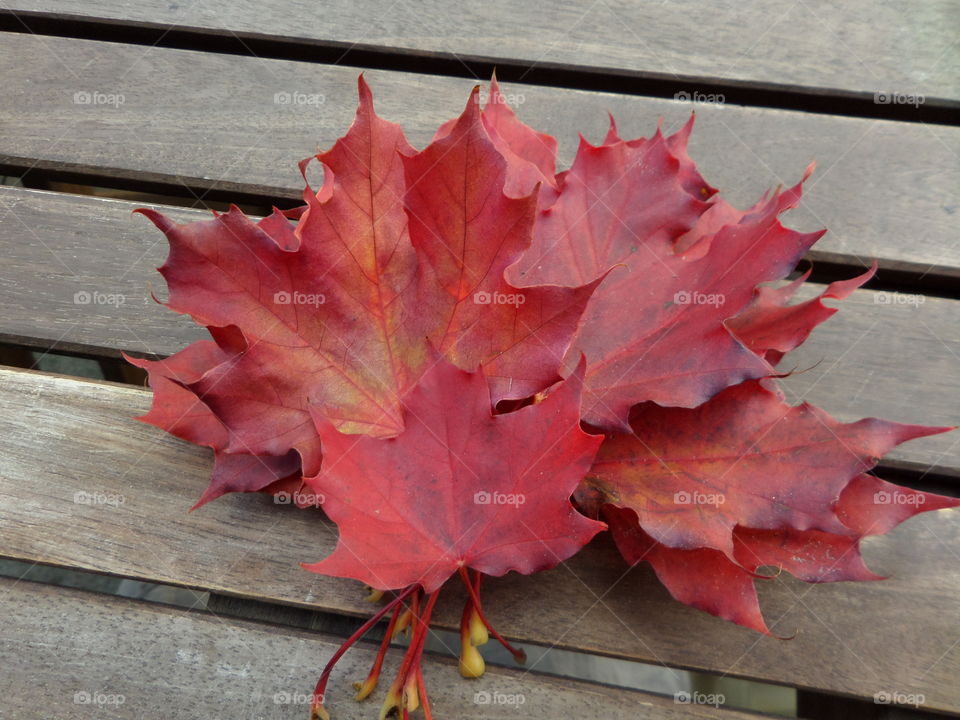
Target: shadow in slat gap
point(91, 367)
point(140, 191)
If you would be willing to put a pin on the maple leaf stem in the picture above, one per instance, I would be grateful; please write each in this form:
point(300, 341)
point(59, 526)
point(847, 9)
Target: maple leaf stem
point(367, 686)
point(422, 689)
point(400, 695)
point(478, 631)
point(317, 711)
point(518, 655)
point(422, 628)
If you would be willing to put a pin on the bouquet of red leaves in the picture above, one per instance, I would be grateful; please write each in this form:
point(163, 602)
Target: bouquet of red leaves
point(478, 364)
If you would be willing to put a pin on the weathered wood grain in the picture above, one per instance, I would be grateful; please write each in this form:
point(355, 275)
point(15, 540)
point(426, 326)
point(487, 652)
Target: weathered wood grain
point(883, 188)
point(896, 359)
point(60, 437)
point(68, 653)
point(889, 355)
point(855, 46)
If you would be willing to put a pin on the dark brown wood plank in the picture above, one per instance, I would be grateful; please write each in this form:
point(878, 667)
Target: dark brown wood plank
point(69, 653)
point(883, 188)
point(856, 46)
point(896, 360)
point(60, 437)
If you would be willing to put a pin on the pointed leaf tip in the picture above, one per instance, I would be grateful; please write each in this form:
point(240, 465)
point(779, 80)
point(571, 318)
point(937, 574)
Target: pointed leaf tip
point(365, 93)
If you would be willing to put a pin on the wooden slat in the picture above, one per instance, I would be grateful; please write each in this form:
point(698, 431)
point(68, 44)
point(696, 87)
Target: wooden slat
point(60, 436)
point(892, 360)
point(888, 355)
point(883, 188)
point(68, 653)
point(855, 46)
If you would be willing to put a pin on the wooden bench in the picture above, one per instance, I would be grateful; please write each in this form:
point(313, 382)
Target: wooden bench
point(198, 121)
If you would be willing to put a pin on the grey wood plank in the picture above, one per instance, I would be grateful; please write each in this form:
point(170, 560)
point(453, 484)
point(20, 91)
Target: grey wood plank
point(884, 189)
point(69, 653)
point(889, 355)
point(855, 46)
point(897, 360)
point(61, 436)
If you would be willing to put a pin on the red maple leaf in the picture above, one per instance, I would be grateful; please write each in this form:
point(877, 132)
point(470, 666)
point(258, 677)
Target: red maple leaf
point(467, 232)
point(180, 412)
point(678, 267)
point(709, 580)
point(771, 327)
point(460, 488)
point(334, 313)
point(709, 495)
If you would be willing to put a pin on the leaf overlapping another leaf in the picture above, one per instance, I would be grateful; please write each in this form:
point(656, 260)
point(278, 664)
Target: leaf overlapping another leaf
point(459, 487)
point(655, 329)
point(709, 495)
point(399, 344)
point(337, 312)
